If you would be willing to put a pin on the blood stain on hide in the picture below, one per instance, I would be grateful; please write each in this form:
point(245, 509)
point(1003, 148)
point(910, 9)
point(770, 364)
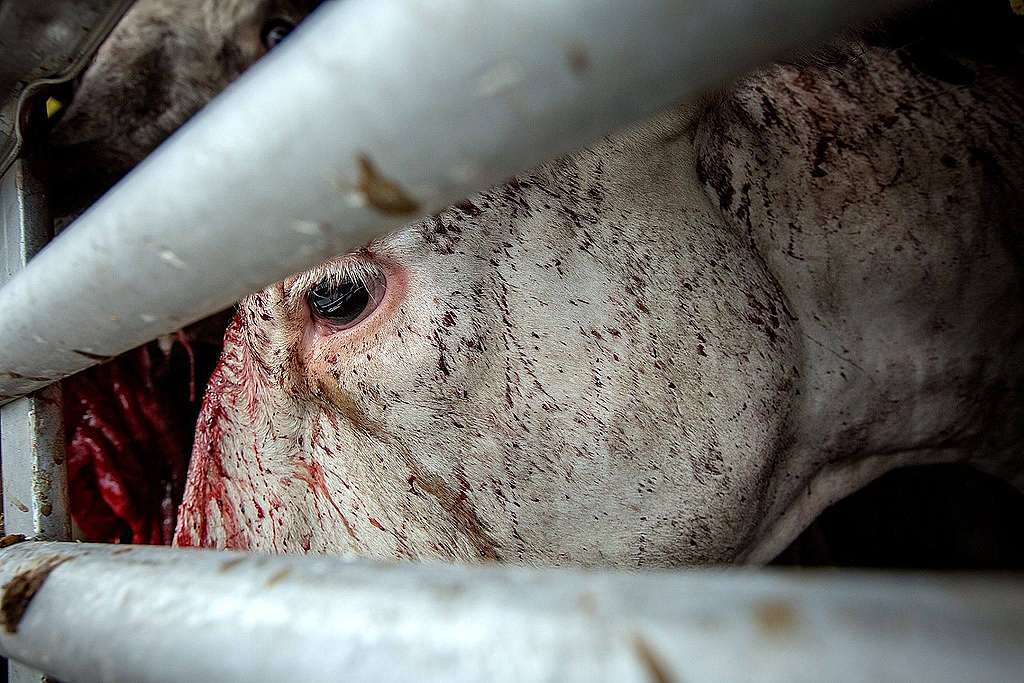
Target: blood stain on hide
point(19, 591)
point(381, 193)
point(209, 474)
point(312, 473)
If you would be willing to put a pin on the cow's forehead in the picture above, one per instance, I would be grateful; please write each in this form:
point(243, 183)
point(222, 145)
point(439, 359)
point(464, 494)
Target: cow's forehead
point(538, 215)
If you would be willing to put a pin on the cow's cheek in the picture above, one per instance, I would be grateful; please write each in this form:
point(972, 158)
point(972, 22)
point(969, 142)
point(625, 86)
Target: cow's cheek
point(352, 371)
point(210, 514)
point(385, 410)
point(245, 443)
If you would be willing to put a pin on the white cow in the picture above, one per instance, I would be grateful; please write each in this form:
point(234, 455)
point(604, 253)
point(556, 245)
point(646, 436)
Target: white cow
point(676, 346)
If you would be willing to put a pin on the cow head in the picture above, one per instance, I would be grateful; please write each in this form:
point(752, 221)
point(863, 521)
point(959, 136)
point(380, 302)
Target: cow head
point(676, 346)
point(543, 373)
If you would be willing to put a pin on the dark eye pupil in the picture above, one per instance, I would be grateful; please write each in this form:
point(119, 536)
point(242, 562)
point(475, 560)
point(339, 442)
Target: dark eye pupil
point(339, 303)
point(275, 31)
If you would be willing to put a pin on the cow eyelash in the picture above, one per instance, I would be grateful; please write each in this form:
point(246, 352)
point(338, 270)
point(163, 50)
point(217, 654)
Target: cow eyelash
point(338, 272)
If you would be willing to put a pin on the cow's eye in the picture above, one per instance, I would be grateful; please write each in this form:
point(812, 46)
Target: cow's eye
point(344, 302)
point(274, 31)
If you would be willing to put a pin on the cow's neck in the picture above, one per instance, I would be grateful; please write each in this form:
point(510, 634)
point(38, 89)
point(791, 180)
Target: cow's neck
point(895, 264)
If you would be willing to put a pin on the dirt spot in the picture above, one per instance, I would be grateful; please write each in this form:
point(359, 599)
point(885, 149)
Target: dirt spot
point(277, 577)
point(19, 591)
point(588, 604)
point(228, 565)
point(41, 485)
point(381, 193)
point(11, 539)
point(121, 551)
point(458, 506)
point(469, 208)
point(652, 662)
point(578, 59)
point(775, 618)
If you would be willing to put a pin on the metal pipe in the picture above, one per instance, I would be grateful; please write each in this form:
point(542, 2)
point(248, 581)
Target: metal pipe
point(374, 113)
point(88, 613)
point(35, 491)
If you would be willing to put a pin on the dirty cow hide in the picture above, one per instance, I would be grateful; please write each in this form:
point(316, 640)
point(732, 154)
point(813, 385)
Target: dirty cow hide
point(677, 346)
point(129, 422)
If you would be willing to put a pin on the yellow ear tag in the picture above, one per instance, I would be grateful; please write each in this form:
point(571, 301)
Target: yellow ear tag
point(53, 105)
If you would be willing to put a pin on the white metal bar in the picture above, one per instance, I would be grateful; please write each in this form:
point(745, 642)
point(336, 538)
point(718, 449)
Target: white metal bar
point(18, 673)
point(43, 44)
point(34, 471)
point(31, 429)
point(373, 113)
point(35, 494)
point(109, 613)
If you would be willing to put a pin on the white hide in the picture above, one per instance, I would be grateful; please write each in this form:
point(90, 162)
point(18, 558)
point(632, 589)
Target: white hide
point(677, 346)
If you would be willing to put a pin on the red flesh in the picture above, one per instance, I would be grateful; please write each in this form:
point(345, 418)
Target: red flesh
point(128, 434)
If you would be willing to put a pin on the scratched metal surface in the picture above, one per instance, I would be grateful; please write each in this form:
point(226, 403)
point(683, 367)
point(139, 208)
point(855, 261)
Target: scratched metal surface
point(89, 613)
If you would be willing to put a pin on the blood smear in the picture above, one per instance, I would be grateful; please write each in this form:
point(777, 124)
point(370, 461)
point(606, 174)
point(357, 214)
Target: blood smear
point(128, 429)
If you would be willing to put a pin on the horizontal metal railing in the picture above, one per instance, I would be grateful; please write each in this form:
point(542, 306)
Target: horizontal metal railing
point(373, 113)
point(143, 614)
